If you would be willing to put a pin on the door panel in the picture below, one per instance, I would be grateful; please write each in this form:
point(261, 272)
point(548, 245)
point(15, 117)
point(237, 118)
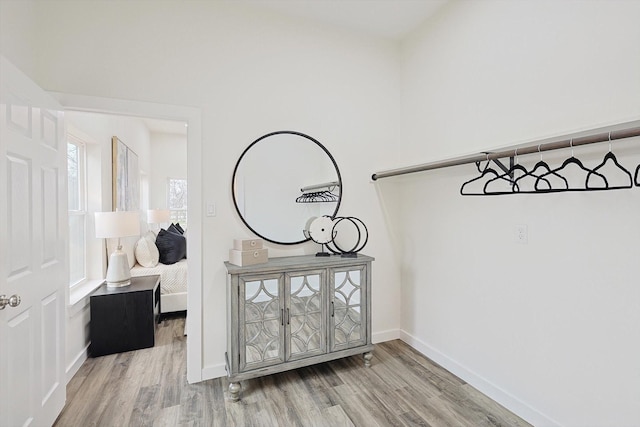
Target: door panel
point(19, 215)
point(348, 313)
point(20, 379)
point(261, 321)
point(305, 305)
point(33, 257)
point(50, 209)
point(51, 343)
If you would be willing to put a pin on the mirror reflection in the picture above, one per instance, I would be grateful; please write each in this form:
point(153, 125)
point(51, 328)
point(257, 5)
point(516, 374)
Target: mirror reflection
point(280, 181)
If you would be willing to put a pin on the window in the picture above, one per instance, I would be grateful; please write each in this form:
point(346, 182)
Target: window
point(77, 211)
point(177, 200)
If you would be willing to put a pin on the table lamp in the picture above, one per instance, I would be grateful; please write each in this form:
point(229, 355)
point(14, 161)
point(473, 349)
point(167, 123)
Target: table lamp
point(116, 225)
point(158, 216)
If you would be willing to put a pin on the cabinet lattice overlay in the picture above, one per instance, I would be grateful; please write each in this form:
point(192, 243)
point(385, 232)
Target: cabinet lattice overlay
point(296, 311)
point(262, 335)
point(305, 313)
point(347, 318)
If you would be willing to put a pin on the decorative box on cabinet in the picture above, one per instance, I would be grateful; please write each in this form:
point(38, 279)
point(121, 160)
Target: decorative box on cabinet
point(296, 311)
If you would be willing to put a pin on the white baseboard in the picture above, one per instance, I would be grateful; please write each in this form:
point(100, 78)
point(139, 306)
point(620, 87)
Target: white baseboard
point(507, 400)
point(388, 335)
point(74, 366)
point(213, 371)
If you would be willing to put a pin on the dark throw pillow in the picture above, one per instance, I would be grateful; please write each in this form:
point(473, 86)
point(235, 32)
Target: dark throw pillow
point(174, 229)
point(172, 246)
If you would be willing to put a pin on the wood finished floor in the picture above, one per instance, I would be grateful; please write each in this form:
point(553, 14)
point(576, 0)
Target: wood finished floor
point(149, 388)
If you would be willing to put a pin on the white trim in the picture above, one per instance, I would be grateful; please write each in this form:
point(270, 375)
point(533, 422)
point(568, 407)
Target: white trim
point(82, 208)
point(388, 335)
point(193, 117)
point(81, 291)
point(214, 371)
point(74, 366)
point(480, 383)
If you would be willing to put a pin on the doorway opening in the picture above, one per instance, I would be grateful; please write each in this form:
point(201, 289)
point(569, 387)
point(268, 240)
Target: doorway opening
point(161, 119)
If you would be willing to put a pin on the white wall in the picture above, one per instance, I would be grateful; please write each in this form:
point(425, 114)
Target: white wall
point(250, 73)
point(99, 129)
point(552, 328)
point(168, 160)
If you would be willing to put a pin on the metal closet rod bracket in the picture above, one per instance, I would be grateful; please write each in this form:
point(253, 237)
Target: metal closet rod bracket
point(622, 131)
point(508, 170)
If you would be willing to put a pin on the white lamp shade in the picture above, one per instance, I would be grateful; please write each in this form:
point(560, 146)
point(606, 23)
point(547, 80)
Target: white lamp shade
point(158, 216)
point(117, 224)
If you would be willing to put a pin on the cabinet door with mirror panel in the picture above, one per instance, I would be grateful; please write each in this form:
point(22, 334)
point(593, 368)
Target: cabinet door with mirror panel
point(348, 313)
point(305, 313)
point(261, 327)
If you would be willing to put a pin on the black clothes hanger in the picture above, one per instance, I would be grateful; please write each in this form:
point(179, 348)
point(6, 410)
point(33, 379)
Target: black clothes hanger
point(317, 197)
point(539, 183)
point(544, 184)
point(486, 172)
point(508, 176)
point(480, 169)
point(637, 178)
point(610, 157)
point(570, 161)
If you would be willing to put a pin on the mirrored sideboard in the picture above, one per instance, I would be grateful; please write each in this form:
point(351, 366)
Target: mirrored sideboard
point(296, 311)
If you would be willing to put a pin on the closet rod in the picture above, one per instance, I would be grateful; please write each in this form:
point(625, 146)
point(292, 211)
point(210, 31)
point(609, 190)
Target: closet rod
point(325, 185)
point(529, 149)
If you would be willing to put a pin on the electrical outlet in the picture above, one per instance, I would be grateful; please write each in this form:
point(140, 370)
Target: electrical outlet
point(522, 234)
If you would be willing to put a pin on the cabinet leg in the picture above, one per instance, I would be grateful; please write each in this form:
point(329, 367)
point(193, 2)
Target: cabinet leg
point(367, 359)
point(234, 391)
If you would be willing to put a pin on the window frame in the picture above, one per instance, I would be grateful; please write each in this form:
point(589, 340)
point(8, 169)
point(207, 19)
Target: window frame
point(82, 205)
point(175, 218)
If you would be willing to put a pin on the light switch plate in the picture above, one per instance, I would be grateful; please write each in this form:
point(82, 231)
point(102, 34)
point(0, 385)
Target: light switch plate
point(211, 209)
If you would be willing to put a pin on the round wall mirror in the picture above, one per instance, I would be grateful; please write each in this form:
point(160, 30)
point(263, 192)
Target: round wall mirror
point(282, 180)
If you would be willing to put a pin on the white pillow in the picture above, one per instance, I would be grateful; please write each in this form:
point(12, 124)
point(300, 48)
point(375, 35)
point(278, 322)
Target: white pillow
point(147, 253)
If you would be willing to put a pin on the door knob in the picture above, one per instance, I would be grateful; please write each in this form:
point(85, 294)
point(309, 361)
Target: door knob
point(12, 301)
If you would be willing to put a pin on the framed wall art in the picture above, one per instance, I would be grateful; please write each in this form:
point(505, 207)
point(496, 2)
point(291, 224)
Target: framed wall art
point(126, 177)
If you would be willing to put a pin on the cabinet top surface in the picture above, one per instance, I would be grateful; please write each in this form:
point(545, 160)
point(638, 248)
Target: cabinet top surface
point(138, 284)
point(303, 261)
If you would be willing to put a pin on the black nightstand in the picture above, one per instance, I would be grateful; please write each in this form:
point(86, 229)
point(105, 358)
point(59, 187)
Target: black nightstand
point(124, 319)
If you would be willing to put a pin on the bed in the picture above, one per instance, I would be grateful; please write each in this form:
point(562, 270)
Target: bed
point(163, 254)
point(173, 284)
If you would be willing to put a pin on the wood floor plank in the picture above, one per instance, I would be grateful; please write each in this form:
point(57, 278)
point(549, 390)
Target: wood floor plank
point(335, 416)
point(167, 417)
point(149, 388)
point(145, 406)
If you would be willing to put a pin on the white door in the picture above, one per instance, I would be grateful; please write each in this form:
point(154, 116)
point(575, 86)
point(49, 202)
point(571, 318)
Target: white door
point(33, 253)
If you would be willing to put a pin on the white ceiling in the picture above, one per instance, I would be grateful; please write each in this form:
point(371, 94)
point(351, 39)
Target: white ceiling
point(391, 19)
point(165, 126)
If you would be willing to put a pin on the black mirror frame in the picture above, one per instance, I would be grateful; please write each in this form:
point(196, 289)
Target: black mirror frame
point(235, 170)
